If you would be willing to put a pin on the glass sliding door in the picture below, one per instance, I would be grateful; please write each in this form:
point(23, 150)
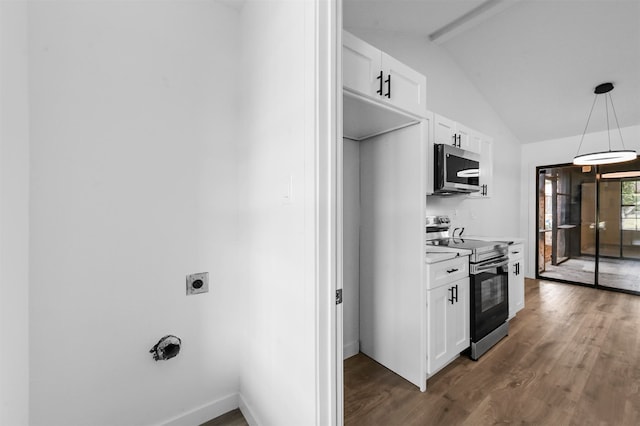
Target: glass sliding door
point(566, 223)
point(589, 225)
point(619, 242)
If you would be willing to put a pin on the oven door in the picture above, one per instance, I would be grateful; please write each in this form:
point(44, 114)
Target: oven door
point(489, 297)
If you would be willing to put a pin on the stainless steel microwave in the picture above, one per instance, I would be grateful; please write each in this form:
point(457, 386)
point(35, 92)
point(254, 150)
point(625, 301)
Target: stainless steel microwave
point(456, 170)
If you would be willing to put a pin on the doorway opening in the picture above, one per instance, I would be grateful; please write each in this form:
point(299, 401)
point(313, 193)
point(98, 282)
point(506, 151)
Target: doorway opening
point(589, 225)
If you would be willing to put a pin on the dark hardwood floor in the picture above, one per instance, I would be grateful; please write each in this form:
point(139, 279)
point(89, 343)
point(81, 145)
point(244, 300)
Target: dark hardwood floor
point(232, 418)
point(572, 357)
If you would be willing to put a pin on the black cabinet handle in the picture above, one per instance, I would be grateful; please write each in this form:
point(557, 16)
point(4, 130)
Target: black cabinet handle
point(459, 141)
point(456, 296)
point(388, 81)
point(449, 271)
point(455, 140)
point(379, 77)
point(451, 298)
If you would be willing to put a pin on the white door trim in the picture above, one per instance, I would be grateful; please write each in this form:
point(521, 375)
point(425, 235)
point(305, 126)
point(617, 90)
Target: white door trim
point(328, 205)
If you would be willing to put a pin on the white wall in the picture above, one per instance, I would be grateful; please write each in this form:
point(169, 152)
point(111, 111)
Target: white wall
point(277, 211)
point(14, 205)
point(133, 127)
point(556, 152)
point(451, 94)
point(351, 248)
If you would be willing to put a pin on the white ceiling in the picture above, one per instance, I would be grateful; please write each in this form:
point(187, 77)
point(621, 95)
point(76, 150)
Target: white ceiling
point(536, 61)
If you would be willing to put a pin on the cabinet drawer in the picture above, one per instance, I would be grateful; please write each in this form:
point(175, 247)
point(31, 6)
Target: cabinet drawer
point(516, 252)
point(441, 273)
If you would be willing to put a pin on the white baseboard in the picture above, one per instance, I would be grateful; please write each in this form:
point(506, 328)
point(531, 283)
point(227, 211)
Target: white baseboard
point(206, 412)
point(247, 412)
point(350, 349)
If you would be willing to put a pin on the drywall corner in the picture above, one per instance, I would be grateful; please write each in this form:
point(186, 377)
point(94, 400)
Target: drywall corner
point(247, 411)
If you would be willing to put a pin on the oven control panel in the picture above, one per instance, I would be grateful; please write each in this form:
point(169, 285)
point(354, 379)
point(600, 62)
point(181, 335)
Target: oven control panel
point(442, 220)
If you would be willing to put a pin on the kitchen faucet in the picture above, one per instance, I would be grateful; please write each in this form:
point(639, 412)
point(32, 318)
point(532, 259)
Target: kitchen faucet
point(453, 234)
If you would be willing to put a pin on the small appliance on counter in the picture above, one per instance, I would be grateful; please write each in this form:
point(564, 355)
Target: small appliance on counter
point(489, 275)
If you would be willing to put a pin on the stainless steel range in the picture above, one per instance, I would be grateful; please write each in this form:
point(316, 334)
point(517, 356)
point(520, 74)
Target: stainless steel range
point(489, 290)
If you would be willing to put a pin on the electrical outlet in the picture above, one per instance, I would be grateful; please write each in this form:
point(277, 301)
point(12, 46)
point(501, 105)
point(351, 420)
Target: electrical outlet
point(198, 283)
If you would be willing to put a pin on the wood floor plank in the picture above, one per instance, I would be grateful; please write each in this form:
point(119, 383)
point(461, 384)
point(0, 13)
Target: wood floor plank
point(572, 357)
point(232, 418)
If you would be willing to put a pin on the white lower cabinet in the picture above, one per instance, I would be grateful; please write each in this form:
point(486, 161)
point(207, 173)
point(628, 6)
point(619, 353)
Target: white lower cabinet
point(516, 278)
point(448, 313)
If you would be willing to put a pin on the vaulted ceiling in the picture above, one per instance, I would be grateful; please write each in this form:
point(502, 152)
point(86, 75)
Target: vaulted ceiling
point(536, 62)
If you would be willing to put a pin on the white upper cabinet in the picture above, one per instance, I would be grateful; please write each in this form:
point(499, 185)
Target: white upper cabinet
point(361, 65)
point(485, 149)
point(469, 139)
point(370, 72)
point(449, 132)
point(444, 130)
point(403, 87)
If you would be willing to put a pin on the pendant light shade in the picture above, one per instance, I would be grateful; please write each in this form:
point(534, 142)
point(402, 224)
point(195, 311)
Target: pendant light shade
point(605, 157)
point(610, 156)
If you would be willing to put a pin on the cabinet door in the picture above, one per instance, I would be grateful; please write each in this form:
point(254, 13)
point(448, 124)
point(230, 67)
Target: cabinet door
point(437, 346)
point(447, 272)
point(444, 130)
point(516, 279)
point(518, 300)
point(486, 168)
point(403, 87)
point(361, 66)
point(458, 317)
point(427, 141)
point(516, 288)
point(470, 140)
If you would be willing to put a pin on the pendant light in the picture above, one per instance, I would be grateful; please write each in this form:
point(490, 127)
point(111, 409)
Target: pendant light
point(610, 156)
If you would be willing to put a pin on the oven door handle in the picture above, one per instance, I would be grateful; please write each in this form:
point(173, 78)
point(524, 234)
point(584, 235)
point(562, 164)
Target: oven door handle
point(483, 268)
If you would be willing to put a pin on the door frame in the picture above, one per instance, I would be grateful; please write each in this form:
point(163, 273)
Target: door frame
point(537, 224)
point(597, 255)
point(327, 206)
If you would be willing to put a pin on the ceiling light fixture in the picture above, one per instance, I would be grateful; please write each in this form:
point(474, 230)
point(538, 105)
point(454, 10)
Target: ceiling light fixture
point(610, 156)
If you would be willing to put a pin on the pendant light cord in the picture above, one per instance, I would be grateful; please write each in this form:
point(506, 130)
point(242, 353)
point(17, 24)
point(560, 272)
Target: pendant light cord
point(616, 117)
point(587, 125)
point(606, 108)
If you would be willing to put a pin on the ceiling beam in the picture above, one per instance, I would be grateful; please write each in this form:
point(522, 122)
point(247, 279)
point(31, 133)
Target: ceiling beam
point(470, 19)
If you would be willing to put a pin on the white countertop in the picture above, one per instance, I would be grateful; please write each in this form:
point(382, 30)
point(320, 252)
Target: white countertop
point(491, 238)
point(436, 254)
